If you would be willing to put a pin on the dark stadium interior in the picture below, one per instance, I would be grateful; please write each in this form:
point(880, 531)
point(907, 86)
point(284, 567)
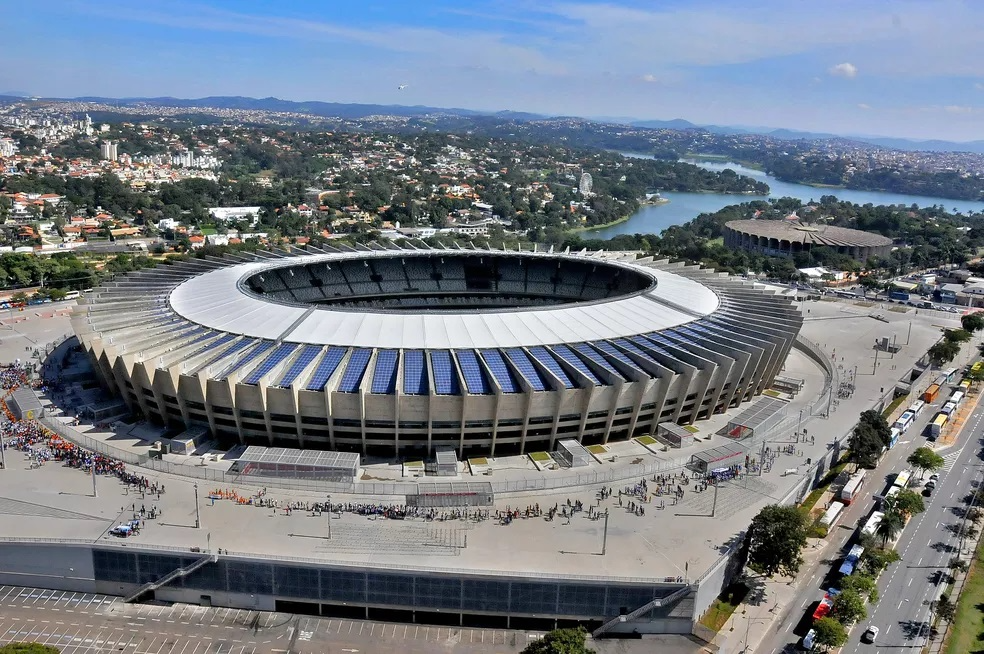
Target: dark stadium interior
point(451, 281)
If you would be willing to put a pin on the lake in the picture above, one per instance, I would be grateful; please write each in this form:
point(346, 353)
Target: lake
point(682, 207)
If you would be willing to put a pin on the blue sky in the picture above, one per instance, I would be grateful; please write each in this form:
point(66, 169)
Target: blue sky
point(896, 68)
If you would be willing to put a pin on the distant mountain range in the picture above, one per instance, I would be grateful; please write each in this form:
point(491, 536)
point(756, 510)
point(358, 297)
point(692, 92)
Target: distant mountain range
point(351, 111)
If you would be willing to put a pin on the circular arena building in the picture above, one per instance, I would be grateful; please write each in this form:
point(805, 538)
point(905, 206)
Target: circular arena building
point(391, 351)
point(784, 238)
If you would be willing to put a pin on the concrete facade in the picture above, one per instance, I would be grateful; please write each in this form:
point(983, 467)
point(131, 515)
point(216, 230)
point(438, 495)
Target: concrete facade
point(781, 238)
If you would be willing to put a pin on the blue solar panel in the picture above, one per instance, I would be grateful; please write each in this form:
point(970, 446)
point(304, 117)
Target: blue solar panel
point(302, 361)
point(414, 373)
point(326, 367)
point(632, 347)
point(355, 370)
point(445, 377)
point(680, 336)
point(232, 349)
point(644, 342)
point(218, 342)
point(568, 355)
point(384, 375)
point(497, 365)
point(471, 370)
point(612, 351)
point(282, 352)
point(656, 337)
point(526, 367)
point(251, 356)
point(543, 356)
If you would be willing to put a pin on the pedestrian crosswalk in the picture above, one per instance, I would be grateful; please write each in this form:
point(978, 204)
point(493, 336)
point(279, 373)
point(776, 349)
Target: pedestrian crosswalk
point(948, 461)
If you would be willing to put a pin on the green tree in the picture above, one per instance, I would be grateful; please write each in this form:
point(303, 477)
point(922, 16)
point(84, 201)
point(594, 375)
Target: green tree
point(945, 609)
point(863, 584)
point(943, 352)
point(849, 607)
point(28, 648)
point(908, 503)
point(830, 632)
point(875, 558)
point(956, 335)
point(972, 322)
point(891, 524)
point(776, 537)
point(864, 446)
point(560, 641)
point(924, 459)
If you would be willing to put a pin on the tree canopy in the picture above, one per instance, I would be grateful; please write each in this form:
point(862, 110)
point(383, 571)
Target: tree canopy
point(972, 322)
point(560, 641)
point(870, 436)
point(849, 607)
point(830, 632)
point(776, 537)
point(924, 458)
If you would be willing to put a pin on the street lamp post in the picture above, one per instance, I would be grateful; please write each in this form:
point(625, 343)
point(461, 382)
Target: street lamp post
point(329, 517)
point(198, 515)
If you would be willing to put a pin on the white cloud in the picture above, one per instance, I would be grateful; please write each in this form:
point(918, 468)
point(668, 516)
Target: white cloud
point(846, 69)
point(864, 106)
point(979, 86)
point(650, 78)
point(958, 109)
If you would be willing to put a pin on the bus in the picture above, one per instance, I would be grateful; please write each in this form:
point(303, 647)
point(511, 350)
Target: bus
point(852, 487)
point(872, 523)
point(902, 479)
point(931, 393)
point(977, 367)
point(957, 397)
point(826, 604)
point(948, 409)
point(72, 295)
point(894, 438)
point(889, 495)
point(851, 560)
point(905, 421)
point(936, 427)
point(831, 514)
point(949, 374)
point(917, 407)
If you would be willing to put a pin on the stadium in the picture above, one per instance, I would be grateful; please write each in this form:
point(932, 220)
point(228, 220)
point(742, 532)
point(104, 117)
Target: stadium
point(395, 351)
point(785, 238)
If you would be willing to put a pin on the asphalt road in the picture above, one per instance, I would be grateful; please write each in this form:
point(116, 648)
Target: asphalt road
point(926, 546)
point(84, 623)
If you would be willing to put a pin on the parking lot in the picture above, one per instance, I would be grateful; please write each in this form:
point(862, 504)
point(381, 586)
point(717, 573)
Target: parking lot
point(86, 623)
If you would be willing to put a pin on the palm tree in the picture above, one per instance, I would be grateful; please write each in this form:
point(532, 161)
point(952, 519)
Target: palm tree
point(889, 527)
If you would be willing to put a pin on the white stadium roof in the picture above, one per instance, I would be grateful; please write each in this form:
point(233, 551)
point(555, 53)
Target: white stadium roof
point(217, 300)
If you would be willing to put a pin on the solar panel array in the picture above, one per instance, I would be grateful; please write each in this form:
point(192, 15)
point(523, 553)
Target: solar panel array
point(234, 348)
point(543, 355)
point(325, 368)
point(384, 375)
point(250, 356)
point(613, 351)
point(586, 350)
point(355, 370)
point(499, 369)
point(471, 370)
point(525, 365)
point(282, 352)
point(568, 355)
point(414, 373)
point(445, 376)
point(302, 361)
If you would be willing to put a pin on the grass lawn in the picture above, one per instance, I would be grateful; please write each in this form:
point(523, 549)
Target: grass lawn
point(596, 449)
point(894, 405)
point(815, 495)
point(691, 429)
point(478, 461)
point(645, 440)
point(965, 632)
point(414, 464)
point(724, 606)
point(540, 457)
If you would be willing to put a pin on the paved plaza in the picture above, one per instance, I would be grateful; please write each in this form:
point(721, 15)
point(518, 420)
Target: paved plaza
point(679, 540)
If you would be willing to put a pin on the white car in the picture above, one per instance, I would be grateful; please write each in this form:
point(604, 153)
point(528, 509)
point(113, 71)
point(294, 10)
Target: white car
point(934, 477)
point(809, 640)
point(931, 484)
point(870, 634)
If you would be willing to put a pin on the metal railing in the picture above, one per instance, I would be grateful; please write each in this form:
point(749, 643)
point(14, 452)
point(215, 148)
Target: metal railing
point(93, 444)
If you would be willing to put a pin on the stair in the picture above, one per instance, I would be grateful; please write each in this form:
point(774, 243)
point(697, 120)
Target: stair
point(656, 603)
point(169, 577)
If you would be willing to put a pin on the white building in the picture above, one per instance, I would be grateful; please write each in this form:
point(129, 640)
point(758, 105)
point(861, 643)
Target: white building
point(225, 214)
point(107, 151)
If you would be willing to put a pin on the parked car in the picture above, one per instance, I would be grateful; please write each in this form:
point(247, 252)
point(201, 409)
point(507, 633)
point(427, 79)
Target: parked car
point(934, 477)
point(931, 484)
